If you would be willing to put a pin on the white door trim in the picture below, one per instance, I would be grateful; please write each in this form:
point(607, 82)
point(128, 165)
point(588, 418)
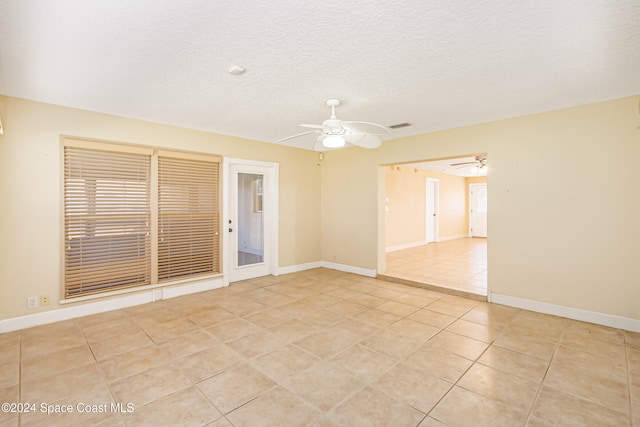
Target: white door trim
point(271, 219)
point(436, 210)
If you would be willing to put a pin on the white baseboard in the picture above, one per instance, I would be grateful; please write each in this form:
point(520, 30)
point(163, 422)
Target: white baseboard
point(604, 319)
point(151, 295)
point(404, 246)
point(349, 268)
point(423, 242)
point(191, 288)
point(326, 264)
point(66, 313)
point(299, 267)
point(453, 237)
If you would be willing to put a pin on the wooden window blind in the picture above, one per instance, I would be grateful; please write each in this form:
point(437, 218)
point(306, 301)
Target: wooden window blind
point(188, 215)
point(106, 217)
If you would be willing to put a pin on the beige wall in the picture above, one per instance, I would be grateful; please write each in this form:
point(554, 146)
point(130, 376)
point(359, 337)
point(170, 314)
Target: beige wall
point(475, 180)
point(405, 203)
point(452, 205)
point(30, 194)
point(563, 203)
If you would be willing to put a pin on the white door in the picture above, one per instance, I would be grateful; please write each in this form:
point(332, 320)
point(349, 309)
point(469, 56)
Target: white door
point(431, 216)
point(478, 210)
point(250, 220)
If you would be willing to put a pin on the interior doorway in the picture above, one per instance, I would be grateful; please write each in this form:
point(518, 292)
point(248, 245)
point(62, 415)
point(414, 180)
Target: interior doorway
point(451, 253)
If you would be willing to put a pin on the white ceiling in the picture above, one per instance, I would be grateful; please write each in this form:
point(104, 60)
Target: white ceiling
point(436, 64)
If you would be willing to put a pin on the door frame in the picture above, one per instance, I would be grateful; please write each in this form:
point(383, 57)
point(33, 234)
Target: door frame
point(472, 187)
point(436, 208)
point(271, 215)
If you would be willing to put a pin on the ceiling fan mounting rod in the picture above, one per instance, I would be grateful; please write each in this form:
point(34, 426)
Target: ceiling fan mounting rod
point(333, 103)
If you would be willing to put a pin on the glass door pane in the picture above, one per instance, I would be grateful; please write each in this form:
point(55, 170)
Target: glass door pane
point(250, 224)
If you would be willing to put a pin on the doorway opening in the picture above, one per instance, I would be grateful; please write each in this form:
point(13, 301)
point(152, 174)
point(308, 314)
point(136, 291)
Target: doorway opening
point(435, 224)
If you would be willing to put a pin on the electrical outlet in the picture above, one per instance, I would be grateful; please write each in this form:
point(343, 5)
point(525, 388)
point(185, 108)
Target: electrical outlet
point(44, 300)
point(157, 294)
point(32, 302)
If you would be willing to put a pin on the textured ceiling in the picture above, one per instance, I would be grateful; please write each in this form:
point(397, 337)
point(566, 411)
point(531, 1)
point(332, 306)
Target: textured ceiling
point(434, 64)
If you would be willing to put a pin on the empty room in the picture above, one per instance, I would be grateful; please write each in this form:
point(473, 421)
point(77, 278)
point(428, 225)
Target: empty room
point(211, 213)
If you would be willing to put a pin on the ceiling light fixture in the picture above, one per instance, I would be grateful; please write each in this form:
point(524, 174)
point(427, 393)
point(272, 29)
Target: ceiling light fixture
point(482, 169)
point(333, 141)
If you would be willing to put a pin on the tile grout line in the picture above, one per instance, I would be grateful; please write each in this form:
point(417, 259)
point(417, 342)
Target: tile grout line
point(104, 375)
point(466, 370)
point(537, 397)
point(364, 384)
point(458, 380)
point(492, 343)
point(361, 289)
point(21, 340)
point(629, 383)
point(400, 361)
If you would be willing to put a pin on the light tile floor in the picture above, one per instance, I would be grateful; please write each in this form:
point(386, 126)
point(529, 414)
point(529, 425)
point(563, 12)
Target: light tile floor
point(321, 348)
point(459, 265)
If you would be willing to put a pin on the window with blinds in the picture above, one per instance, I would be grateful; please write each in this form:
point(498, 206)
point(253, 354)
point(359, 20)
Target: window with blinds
point(118, 234)
point(106, 219)
point(188, 215)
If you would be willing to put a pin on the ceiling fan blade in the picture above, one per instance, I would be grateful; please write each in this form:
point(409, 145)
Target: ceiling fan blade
point(334, 133)
point(350, 137)
point(294, 136)
point(364, 140)
point(464, 163)
point(366, 127)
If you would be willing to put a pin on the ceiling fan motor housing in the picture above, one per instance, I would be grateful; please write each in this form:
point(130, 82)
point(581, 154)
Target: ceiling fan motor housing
point(332, 127)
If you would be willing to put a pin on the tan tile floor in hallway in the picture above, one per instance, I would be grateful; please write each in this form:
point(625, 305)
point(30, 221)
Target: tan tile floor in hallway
point(459, 264)
point(322, 348)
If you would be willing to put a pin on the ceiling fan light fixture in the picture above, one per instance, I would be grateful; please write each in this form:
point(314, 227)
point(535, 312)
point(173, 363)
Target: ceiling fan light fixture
point(335, 133)
point(333, 141)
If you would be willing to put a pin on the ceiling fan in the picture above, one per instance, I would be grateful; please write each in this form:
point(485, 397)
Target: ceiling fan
point(336, 133)
point(480, 164)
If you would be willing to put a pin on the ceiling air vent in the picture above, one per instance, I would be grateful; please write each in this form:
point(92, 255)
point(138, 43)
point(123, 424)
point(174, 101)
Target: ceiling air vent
point(399, 125)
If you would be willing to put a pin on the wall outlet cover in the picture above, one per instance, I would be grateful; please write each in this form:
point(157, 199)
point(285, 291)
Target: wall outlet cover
point(32, 302)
